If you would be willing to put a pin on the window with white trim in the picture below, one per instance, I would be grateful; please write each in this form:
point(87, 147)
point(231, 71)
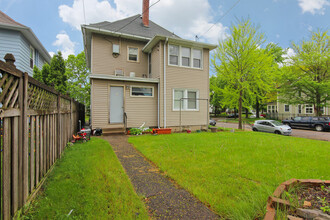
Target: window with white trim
point(286, 108)
point(309, 109)
point(174, 55)
point(197, 58)
point(299, 109)
point(133, 54)
point(142, 91)
point(185, 56)
point(190, 101)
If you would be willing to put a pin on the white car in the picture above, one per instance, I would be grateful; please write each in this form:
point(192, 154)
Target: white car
point(271, 126)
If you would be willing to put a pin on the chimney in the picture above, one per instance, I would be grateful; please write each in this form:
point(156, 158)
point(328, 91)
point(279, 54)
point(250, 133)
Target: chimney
point(145, 13)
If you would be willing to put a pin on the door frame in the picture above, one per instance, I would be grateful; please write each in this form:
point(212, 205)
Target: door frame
point(109, 101)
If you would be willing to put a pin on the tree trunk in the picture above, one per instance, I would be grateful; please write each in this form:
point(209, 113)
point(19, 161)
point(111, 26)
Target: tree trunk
point(257, 108)
point(246, 113)
point(240, 110)
point(317, 107)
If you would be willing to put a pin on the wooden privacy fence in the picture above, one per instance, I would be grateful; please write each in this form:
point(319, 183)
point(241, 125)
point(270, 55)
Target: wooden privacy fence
point(36, 124)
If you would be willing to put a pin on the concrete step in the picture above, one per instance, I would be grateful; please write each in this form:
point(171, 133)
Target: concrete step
point(114, 130)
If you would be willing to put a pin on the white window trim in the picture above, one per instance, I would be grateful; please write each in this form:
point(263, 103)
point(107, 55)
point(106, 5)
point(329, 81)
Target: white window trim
point(180, 57)
point(138, 54)
point(185, 101)
point(306, 107)
point(33, 56)
point(289, 108)
point(141, 96)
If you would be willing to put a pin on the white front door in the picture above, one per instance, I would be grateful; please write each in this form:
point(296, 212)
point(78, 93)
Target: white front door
point(116, 104)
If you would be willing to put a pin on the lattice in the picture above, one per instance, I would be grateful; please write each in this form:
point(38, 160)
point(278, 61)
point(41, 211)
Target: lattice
point(41, 99)
point(8, 91)
point(65, 104)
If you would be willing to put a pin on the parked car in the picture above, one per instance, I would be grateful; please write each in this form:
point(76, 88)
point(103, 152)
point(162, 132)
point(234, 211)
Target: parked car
point(233, 115)
point(271, 126)
point(317, 123)
point(213, 122)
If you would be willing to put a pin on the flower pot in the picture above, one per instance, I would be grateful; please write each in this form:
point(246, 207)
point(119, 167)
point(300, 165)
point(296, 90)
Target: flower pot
point(214, 129)
point(162, 131)
point(188, 131)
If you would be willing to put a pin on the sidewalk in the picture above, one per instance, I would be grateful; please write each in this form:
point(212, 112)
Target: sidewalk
point(163, 198)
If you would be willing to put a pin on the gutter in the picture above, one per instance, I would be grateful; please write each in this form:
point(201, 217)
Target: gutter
point(165, 82)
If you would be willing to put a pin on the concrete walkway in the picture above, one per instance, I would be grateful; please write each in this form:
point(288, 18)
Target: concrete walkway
point(162, 197)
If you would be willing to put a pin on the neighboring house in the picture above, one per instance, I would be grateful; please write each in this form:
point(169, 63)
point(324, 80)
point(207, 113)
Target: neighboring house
point(139, 73)
point(19, 40)
point(282, 111)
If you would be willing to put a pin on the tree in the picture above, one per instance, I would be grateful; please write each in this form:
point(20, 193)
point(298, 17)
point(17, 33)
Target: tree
point(37, 74)
point(243, 66)
point(306, 79)
point(215, 93)
point(78, 78)
point(57, 76)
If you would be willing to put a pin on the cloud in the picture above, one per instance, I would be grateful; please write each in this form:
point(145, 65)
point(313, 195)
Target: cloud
point(51, 53)
point(287, 57)
point(314, 6)
point(187, 18)
point(65, 45)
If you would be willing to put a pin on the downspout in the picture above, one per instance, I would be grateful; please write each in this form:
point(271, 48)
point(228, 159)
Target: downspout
point(165, 82)
point(158, 119)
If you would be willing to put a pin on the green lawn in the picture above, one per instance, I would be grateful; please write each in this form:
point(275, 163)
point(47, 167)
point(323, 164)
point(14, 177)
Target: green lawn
point(90, 181)
point(235, 172)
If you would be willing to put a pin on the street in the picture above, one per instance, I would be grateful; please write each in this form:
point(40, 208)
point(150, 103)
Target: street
point(323, 136)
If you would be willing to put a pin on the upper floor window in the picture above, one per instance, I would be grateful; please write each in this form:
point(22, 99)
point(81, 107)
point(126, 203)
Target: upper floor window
point(286, 108)
point(197, 58)
point(174, 55)
point(31, 56)
point(133, 54)
point(185, 56)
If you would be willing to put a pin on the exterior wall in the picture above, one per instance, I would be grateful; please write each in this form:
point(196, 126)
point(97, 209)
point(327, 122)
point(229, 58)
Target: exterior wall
point(156, 61)
point(103, 61)
point(14, 42)
point(184, 78)
point(138, 109)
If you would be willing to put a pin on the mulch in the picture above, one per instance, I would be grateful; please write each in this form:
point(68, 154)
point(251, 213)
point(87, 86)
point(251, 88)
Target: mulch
point(163, 198)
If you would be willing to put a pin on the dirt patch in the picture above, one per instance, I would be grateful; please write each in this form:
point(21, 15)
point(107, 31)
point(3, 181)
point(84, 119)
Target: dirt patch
point(163, 199)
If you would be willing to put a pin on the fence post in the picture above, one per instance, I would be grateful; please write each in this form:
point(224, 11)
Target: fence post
point(25, 138)
point(20, 143)
point(59, 137)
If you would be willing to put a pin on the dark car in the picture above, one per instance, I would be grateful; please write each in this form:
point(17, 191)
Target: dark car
point(317, 123)
point(212, 122)
point(233, 115)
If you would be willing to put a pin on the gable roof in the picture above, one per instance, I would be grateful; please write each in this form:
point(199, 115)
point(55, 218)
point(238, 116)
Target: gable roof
point(134, 26)
point(10, 24)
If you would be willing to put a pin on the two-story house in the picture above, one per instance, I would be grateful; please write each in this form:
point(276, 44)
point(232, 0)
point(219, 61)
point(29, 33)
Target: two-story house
point(20, 41)
point(143, 73)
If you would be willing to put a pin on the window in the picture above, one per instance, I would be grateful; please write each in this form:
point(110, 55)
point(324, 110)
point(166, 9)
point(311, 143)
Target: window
point(174, 55)
point(133, 53)
point(31, 56)
point(192, 102)
point(197, 58)
point(272, 108)
point(189, 102)
point(297, 119)
point(286, 108)
point(142, 91)
point(309, 109)
point(178, 94)
point(185, 56)
point(299, 109)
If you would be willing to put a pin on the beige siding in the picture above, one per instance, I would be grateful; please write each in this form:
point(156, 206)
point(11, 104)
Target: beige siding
point(103, 62)
point(184, 78)
point(138, 109)
point(156, 61)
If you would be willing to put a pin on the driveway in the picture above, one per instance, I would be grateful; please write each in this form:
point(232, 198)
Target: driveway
point(323, 136)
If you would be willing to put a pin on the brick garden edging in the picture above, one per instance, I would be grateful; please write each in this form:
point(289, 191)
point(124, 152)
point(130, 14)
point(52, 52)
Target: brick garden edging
point(275, 198)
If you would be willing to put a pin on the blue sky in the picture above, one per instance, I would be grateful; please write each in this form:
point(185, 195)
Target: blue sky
point(56, 22)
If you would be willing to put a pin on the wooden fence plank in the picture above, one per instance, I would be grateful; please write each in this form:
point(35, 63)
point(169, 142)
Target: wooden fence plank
point(37, 149)
point(14, 172)
point(25, 140)
point(45, 145)
point(32, 153)
point(6, 166)
point(20, 148)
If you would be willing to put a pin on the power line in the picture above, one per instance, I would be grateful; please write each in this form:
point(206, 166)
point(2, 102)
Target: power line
point(137, 17)
point(220, 18)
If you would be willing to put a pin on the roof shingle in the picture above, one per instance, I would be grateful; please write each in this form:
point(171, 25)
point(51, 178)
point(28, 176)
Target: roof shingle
point(5, 19)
